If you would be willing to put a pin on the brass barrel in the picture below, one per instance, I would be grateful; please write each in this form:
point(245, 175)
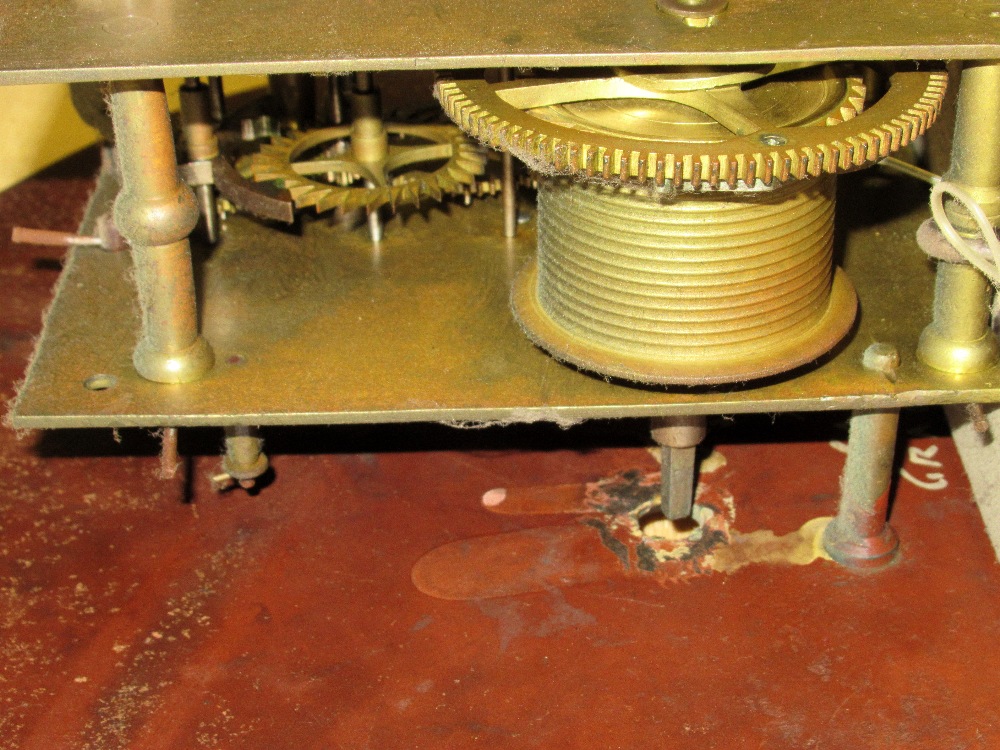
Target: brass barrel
point(690, 289)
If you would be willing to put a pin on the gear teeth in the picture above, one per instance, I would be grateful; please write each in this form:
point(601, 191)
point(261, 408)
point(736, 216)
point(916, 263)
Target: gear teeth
point(732, 174)
point(802, 168)
point(470, 166)
point(696, 175)
point(312, 198)
point(714, 172)
point(449, 185)
point(297, 191)
point(375, 199)
point(334, 199)
point(893, 136)
point(852, 142)
point(880, 143)
point(354, 200)
point(678, 174)
point(905, 132)
point(434, 189)
point(853, 104)
point(767, 177)
point(784, 163)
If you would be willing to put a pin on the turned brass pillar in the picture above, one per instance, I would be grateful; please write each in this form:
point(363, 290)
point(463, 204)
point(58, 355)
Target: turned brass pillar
point(959, 338)
point(156, 212)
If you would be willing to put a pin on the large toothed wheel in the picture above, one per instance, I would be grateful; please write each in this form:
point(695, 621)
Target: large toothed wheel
point(696, 128)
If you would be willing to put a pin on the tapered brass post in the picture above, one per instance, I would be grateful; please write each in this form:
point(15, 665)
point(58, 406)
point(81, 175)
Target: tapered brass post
point(959, 338)
point(156, 212)
point(859, 536)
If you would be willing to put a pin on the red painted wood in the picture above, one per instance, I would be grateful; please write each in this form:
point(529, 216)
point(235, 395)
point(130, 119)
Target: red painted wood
point(288, 619)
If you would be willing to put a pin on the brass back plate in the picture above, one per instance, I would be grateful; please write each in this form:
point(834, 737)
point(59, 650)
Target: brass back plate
point(322, 329)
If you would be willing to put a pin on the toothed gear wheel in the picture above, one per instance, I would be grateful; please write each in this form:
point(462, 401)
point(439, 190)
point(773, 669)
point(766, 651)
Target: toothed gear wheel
point(293, 161)
point(731, 128)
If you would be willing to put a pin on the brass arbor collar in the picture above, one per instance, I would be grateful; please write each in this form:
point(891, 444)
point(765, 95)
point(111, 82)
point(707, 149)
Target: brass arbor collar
point(395, 180)
point(512, 117)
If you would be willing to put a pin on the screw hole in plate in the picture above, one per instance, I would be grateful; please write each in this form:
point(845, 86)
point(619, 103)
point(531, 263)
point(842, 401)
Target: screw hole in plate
point(100, 382)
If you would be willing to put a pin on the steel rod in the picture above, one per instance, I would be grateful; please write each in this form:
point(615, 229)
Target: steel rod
point(169, 458)
point(508, 185)
point(859, 536)
point(218, 98)
point(678, 437)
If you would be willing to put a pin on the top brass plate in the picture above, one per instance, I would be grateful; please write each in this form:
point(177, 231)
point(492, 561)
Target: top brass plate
point(324, 329)
point(89, 40)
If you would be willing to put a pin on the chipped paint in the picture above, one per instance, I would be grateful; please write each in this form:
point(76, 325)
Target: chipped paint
point(712, 463)
point(628, 505)
point(622, 514)
point(619, 549)
point(801, 547)
point(494, 497)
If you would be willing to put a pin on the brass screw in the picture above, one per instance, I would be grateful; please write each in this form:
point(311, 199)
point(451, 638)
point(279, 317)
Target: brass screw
point(882, 357)
point(772, 139)
point(977, 416)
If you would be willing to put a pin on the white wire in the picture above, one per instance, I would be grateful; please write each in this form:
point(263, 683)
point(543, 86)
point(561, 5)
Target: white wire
point(957, 241)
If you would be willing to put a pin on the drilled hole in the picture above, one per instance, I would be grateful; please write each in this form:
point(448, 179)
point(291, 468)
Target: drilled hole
point(770, 139)
point(655, 525)
point(100, 382)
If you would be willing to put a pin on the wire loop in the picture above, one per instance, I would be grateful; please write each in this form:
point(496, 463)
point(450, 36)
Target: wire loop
point(956, 240)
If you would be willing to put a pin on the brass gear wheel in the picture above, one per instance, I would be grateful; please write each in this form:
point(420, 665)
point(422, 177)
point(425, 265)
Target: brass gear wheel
point(394, 178)
point(694, 128)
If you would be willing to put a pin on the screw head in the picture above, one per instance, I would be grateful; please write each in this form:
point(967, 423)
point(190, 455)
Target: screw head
point(697, 13)
point(773, 139)
point(881, 357)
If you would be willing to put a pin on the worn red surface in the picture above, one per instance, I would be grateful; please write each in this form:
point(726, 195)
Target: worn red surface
point(288, 619)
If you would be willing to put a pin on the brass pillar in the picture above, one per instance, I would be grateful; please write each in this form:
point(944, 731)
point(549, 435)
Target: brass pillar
point(156, 212)
point(859, 536)
point(959, 338)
